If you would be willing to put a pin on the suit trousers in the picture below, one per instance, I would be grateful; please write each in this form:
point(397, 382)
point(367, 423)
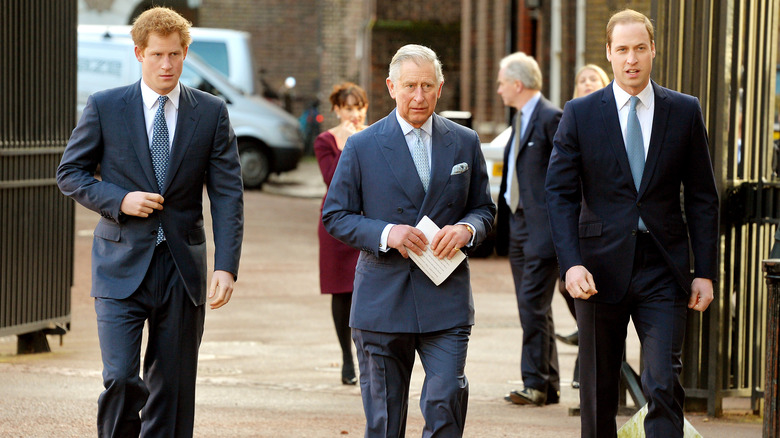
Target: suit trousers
point(386, 361)
point(658, 307)
point(166, 394)
point(534, 279)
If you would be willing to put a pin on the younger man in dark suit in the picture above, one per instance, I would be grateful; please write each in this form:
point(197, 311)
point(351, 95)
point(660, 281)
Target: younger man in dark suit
point(623, 153)
point(149, 251)
point(408, 165)
point(522, 221)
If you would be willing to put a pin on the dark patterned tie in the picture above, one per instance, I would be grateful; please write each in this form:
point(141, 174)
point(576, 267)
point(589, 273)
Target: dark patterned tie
point(160, 152)
point(635, 148)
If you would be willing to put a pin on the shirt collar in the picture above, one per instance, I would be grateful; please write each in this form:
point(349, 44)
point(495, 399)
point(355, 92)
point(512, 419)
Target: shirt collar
point(150, 97)
point(645, 96)
point(407, 127)
point(529, 106)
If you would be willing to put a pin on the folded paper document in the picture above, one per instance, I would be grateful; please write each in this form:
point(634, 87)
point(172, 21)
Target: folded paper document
point(435, 268)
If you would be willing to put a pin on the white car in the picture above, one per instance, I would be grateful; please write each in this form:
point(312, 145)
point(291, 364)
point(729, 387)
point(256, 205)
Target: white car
point(494, 158)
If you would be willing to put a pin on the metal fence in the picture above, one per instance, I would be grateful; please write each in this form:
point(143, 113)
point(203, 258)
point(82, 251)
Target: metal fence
point(723, 52)
point(37, 114)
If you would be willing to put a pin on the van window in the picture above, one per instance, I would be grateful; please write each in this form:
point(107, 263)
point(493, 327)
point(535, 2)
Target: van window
point(214, 53)
point(192, 79)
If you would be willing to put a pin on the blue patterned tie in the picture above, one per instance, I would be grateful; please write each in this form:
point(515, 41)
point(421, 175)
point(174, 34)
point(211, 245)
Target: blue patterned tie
point(160, 152)
point(420, 157)
point(635, 148)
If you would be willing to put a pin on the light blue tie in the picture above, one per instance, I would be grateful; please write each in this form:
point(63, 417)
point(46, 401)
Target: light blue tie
point(160, 152)
point(635, 148)
point(420, 157)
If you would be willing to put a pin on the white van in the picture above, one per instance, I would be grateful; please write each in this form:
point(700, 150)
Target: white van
point(269, 138)
point(227, 51)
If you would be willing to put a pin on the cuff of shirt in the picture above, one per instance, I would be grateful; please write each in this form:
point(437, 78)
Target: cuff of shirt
point(383, 239)
point(472, 230)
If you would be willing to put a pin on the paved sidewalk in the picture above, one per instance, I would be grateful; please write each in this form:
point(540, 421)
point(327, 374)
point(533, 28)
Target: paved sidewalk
point(269, 362)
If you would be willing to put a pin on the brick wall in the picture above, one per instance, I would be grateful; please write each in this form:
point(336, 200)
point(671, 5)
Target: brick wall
point(285, 40)
point(432, 24)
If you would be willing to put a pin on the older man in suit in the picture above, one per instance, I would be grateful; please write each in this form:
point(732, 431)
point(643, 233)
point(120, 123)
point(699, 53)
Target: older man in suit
point(621, 156)
point(149, 250)
point(523, 223)
point(408, 165)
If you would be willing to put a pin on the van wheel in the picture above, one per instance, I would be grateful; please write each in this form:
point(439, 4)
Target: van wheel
point(254, 164)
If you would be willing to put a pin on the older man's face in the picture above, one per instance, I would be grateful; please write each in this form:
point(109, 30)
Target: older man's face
point(416, 92)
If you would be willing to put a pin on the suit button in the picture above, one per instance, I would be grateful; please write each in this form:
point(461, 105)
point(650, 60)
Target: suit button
point(400, 210)
point(633, 232)
point(638, 204)
point(154, 232)
point(449, 204)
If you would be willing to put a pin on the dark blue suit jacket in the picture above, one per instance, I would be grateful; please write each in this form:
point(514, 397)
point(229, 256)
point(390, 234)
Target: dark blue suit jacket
point(531, 171)
point(375, 184)
point(590, 164)
point(112, 134)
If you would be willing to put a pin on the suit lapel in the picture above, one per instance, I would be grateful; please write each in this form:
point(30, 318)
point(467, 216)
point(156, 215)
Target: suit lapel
point(186, 121)
point(135, 123)
point(612, 128)
point(660, 118)
point(529, 128)
point(396, 151)
point(442, 157)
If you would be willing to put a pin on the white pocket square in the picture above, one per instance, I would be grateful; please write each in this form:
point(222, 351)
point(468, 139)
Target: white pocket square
point(459, 168)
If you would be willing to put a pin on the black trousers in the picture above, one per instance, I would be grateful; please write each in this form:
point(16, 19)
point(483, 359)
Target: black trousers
point(534, 279)
point(166, 394)
point(658, 307)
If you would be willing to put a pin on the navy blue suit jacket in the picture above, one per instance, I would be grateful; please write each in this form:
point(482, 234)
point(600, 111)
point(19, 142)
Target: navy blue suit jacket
point(112, 134)
point(531, 171)
point(590, 164)
point(375, 184)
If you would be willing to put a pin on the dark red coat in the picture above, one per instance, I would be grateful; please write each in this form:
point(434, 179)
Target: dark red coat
point(337, 260)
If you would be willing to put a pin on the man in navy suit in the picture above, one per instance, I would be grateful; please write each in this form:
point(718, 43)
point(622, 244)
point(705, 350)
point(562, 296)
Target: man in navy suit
point(621, 156)
point(522, 221)
point(149, 250)
point(378, 194)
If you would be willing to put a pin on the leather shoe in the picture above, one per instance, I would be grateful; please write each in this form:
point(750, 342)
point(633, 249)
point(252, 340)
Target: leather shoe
point(528, 396)
point(570, 339)
point(348, 374)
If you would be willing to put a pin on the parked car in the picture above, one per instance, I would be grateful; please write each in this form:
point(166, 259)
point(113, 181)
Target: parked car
point(227, 51)
point(269, 139)
point(494, 158)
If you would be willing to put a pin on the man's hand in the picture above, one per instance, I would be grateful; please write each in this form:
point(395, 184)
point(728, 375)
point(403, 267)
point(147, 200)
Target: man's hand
point(405, 238)
point(579, 282)
point(701, 294)
point(221, 288)
point(449, 240)
point(141, 204)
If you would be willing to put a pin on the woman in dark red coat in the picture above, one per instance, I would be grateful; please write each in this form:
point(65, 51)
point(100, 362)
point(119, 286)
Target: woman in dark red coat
point(337, 260)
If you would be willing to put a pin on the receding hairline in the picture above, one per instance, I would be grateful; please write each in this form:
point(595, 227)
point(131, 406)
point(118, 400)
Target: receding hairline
point(628, 16)
point(419, 55)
